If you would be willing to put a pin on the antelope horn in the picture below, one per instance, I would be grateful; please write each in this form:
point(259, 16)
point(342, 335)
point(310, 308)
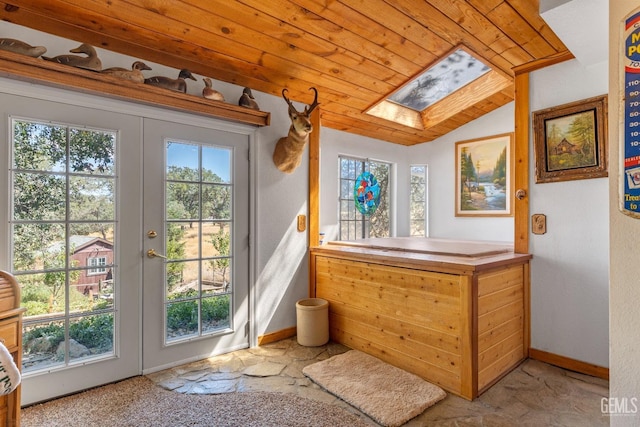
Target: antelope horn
point(315, 102)
point(287, 99)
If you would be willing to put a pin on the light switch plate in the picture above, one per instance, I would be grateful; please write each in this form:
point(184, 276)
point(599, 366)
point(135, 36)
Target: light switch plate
point(539, 223)
point(302, 222)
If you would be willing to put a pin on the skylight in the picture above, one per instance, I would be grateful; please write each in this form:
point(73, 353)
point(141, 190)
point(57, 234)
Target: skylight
point(454, 82)
point(440, 80)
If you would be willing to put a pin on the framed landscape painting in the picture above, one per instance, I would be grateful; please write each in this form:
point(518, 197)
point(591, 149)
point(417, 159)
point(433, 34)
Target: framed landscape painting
point(484, 170)
point(570, 141)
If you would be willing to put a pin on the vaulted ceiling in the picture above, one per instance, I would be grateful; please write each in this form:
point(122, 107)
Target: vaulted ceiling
point(355, 52)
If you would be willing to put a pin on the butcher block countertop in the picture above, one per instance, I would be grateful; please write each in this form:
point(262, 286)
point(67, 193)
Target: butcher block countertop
point(443, 255)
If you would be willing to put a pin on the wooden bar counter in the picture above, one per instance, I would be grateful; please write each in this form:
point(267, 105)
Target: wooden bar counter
point(456, 313)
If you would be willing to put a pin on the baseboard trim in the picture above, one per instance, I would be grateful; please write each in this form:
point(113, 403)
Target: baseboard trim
point(276, 336)
point(570, 364)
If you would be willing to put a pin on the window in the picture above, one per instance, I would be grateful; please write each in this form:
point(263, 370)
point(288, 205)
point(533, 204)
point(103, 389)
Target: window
point(353, 224)
point(97, 264)
point(418, 201)
point(459, 78)
point(199, 223)
point(440, 80)
point(64, 191)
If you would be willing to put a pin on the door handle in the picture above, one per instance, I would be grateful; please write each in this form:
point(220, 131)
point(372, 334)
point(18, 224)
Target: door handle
point(151, 253)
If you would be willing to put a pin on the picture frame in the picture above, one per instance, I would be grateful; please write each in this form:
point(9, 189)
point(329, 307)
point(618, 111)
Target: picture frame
point(570, 141)
point(484, 173)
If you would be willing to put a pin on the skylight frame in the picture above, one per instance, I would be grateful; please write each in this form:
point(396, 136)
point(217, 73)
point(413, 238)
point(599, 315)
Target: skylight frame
point(486, 85)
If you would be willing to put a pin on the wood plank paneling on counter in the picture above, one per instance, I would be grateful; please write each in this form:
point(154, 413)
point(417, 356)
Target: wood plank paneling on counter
point(444, 379)
point(499, 333)
point(496, 318)
point(501, 367)
point(491, 282)
point(362, 297)
point(400, 329)
point(495, 300)
point(437, 283)
point(449, 362)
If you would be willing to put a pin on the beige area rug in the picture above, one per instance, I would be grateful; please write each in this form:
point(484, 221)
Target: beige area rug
point(389, 395)
point(139, 402)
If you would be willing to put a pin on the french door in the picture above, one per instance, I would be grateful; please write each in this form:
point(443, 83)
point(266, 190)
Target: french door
point(86, 193)
point(72, 187)
point(196, 251)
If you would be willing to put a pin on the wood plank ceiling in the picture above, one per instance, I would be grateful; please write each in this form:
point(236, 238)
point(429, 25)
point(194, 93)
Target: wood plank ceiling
point(355, 52)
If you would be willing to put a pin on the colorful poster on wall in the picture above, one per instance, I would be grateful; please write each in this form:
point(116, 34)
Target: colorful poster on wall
point(366, 193)
point(630, 180)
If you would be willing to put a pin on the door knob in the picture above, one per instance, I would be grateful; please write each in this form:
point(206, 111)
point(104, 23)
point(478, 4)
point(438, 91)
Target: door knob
point(151, 253)
point(521, 194)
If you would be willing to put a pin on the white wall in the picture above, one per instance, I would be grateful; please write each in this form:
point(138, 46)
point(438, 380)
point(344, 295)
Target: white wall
point(624, 231)
point(440, 156)
point(282, 261)
point(569, 270)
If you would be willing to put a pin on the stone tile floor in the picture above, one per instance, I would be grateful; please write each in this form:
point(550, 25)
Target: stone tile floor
point(534, 394)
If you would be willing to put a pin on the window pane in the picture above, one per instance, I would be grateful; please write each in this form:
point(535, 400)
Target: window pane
point(216, 276)
point(183, 200)
point(182, 279)
point(38, 196)
point(182, 320)
point(90, 336)
point(38, 146)
point(91, 199)
point(215, 313)
point(216, 201)
point(38, 246)
point(216, 239)
point(182, 162)
point(42, 294)
point(182, 240)
point(418, 198)
point(40, 344)
point(216, 165)
point(91, 292)
point(91, 151)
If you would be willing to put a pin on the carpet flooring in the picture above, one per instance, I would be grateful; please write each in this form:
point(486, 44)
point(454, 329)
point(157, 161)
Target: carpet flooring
point(139, 402)
point(387, 394)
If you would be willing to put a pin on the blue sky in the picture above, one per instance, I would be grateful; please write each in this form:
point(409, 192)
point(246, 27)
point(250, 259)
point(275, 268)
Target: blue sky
point(216, 159)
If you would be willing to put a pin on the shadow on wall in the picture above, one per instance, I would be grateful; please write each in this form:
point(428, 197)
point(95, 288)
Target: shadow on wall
point(276, 290)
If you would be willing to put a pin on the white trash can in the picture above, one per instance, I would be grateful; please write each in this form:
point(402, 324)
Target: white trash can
point(312, 316)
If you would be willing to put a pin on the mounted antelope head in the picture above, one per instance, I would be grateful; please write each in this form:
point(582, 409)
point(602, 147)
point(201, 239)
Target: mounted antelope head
point(288, 152)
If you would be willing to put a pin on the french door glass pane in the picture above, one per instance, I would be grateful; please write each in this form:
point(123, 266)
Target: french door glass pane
point(199, 229)
point(63, 249)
